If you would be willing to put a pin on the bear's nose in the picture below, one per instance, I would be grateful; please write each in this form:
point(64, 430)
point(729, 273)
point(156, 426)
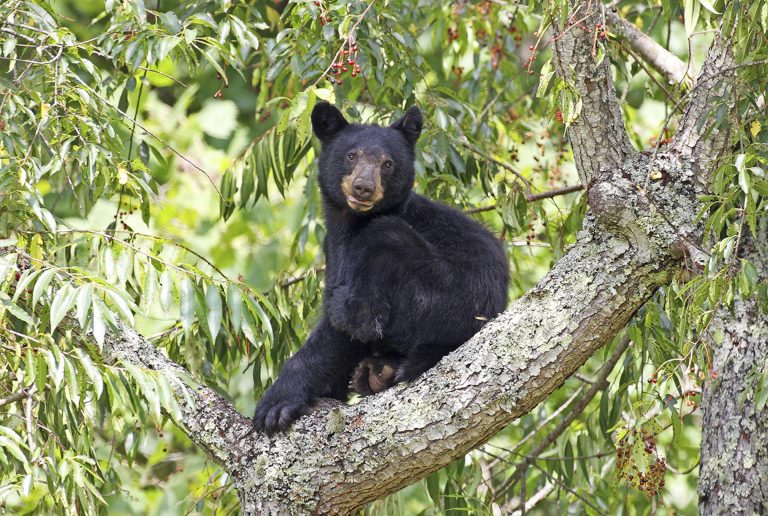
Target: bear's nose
point(362, 189)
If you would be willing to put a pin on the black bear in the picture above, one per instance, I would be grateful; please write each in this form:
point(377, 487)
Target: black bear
point(407, 278)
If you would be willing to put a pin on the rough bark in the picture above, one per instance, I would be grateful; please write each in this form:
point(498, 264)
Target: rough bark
point(598, 136)
point(710, 100)
point(733, 477)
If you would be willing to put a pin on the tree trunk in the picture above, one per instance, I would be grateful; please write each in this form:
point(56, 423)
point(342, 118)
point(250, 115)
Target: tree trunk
point(733, 478)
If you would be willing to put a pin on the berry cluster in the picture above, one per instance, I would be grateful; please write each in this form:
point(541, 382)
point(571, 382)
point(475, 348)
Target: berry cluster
point(325, 16)
point(347, 62)
point(651, 480)
point(224, 84)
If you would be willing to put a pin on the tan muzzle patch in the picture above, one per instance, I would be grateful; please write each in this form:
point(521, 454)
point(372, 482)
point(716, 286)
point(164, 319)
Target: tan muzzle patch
point(361, 171)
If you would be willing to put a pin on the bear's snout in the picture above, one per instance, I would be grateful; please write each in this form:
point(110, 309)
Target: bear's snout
point(363, 186)
point(363, 189)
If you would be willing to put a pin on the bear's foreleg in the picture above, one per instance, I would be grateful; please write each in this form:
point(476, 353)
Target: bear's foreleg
point(321, 368)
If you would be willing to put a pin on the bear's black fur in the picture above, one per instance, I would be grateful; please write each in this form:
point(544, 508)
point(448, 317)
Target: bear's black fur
point(405, 276)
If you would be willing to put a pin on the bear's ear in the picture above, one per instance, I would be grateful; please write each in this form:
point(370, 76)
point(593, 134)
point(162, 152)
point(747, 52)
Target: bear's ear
point(327, 121)
point(410, 125)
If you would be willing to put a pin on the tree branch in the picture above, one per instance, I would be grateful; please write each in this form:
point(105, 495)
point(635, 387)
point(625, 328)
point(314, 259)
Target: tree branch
point(19, 395)
point(598, 136)
point(695, 138)
point(207, 418)
point(531, 197)
point(661, 59)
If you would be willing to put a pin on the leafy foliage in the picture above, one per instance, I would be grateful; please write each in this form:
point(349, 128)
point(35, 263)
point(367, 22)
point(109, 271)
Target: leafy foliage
point(156, 167)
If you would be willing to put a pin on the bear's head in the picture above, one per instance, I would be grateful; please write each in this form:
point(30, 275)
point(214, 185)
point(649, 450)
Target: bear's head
point(365, 169)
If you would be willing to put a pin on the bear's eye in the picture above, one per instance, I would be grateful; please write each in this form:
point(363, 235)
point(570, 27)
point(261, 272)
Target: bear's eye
point(388, 164)
point(351, 156)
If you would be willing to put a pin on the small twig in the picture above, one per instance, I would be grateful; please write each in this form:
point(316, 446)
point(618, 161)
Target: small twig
point(554, 193)
point(292, 281)
point(158, 72)
point(531, 197)
point(50, 61)
point(350, 33)
point(505, 166)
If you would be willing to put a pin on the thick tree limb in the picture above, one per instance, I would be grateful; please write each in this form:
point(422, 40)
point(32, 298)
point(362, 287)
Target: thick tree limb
point(598, 136)
point(702, 132)
point(207, 418)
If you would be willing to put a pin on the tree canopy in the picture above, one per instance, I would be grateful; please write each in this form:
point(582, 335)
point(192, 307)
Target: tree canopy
point(158, 185)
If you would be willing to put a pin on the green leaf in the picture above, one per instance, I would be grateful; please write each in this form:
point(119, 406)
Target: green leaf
point(93, 373)
point(7, 304)
point(109, 264)
point(676, 427)
point(150, 288)
point(234, 305)
point(41, 372)
point(187, 303)
point(166, 290)
point(55, 369)
point(708, 6)
point(42, 283)
point(124, 264)
point(122, 305)
point(568, 465)
point(62, 303)
point(433, 487)
point(84, 299)
point(27, 277)
point(692, 10)
point(213, 309)
point(12, 447)
point(257, 311)
point(99, 328)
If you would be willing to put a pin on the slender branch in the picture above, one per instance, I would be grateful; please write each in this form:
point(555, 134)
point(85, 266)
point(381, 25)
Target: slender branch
point(531, 197)
point(19, 395)
point(661, 59)
point(505, 166)
point(350, 34)
point(553, 193)
point(600, 384)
